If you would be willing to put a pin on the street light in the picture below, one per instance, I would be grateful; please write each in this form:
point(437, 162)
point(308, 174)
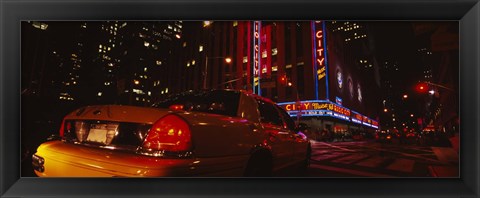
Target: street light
point(297, 102)
point(205, 72)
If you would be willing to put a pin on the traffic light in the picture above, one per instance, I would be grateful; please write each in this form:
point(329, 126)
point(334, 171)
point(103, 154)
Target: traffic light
point(283, 80)
point(421, 87)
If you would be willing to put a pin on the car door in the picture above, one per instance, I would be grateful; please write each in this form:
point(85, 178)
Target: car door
point(279, 137)
point(298, 143)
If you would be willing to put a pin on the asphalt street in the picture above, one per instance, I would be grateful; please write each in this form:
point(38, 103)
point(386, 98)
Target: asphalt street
point(372, 159)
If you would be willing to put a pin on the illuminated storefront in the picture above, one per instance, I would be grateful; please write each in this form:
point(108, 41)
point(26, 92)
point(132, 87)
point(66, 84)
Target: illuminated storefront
point(323, 108)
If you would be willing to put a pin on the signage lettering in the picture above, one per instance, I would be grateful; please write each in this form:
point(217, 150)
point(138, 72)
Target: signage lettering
point(320, 57)
point(325, 108)
point(256, 55)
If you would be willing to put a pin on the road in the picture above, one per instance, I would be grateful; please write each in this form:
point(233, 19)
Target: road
point(372, 159)
point(365, 159)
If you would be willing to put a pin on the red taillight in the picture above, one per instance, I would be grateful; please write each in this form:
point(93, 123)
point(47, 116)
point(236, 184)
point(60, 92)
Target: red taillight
point(170, 133)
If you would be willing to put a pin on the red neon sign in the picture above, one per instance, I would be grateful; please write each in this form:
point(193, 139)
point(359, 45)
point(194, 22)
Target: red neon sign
point(320, 57)
point(256, 50)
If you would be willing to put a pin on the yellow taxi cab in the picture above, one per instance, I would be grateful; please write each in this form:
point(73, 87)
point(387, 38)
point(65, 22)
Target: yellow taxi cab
point(196, 133)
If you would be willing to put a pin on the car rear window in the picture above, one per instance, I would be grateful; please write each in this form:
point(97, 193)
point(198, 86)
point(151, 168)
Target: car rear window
point(216, 102)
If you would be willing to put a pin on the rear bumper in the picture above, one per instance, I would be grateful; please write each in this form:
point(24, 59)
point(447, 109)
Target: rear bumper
point(66, 160)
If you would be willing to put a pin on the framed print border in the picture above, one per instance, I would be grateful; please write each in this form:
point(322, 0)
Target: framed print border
point(14, 11)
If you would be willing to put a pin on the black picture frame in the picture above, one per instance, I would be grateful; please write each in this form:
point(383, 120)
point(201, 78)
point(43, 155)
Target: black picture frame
point(12, 12)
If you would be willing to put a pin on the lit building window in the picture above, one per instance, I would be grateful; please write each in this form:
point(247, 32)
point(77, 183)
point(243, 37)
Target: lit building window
point(146, 44)
point(39, 25)
point(136, 82)
point(245, 59)
point(138, 91)
point(184, 44)
point(193, 62)
point(159, 62)
point(99, 94)
point(275, 68)
point(200, 48)
point(166, 90)
point(235, 23)
point(145, 69)
point(274, 51)
point(264, 54)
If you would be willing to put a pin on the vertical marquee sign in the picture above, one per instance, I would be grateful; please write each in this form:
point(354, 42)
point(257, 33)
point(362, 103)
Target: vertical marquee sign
point(256, 57)
point(320, 60)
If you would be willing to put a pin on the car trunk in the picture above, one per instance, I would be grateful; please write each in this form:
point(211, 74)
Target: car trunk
point(110, 126)
point(61, 159)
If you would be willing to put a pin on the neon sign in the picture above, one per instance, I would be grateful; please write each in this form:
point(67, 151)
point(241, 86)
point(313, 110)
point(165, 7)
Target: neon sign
point(320, 56)
point(256, 57)
point(326, 108)
point(317, 106)
point(320, 59)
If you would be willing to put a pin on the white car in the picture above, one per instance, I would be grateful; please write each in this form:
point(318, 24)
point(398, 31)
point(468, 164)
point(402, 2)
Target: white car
point(196, 133)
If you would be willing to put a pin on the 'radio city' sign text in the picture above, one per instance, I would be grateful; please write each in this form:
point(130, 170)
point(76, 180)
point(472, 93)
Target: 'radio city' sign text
point(320, 56)
point(317, 106)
